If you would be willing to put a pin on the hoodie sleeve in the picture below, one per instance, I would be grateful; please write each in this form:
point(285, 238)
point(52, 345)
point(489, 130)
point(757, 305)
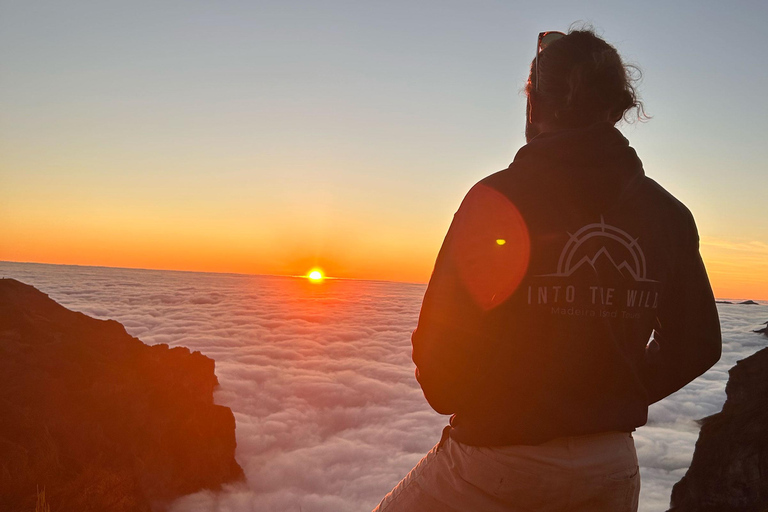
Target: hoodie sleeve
point(439, 339)
point(687, 336)
point(442, 341)
point(482, 261)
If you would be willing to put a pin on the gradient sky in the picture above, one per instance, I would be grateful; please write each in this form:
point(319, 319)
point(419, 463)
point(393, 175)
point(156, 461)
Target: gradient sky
point(272, 136)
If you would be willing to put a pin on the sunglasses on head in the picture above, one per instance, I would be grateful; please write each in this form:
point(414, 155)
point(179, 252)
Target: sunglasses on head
point(545, 39)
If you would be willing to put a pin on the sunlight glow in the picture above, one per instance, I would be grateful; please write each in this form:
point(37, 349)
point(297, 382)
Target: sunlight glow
point(315, 275)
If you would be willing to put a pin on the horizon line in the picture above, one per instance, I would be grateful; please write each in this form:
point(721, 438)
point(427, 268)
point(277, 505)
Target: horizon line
point(333, 278)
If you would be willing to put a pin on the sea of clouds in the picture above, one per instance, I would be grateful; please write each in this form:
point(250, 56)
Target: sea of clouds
point(319, 377)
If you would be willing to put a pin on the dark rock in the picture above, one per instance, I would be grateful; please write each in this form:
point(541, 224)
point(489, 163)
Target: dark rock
point(764, 330)
point(729, 471)
point(749, 302)
point(97, 418)
point(723, 302)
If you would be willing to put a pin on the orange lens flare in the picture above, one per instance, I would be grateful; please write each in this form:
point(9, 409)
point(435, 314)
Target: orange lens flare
point(491, 246)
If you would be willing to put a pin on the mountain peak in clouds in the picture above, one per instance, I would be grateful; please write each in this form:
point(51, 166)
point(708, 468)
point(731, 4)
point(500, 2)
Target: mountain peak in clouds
point(99, 419)
point(728, 471)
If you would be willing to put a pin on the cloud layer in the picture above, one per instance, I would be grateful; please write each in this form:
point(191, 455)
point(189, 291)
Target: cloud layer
point(329, 415)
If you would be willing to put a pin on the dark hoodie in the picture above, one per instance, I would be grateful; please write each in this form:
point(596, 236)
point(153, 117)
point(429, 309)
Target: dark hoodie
point(552, 278)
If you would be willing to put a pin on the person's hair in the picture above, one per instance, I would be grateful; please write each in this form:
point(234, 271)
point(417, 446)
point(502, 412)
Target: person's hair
point(581, 79)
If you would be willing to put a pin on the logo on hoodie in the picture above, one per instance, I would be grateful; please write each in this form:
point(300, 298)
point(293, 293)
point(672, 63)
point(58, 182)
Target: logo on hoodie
point(602, 246)
point(601, 272)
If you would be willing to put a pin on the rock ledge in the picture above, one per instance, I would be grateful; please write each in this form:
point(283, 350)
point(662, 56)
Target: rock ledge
point(729, 471)
point(99, 419)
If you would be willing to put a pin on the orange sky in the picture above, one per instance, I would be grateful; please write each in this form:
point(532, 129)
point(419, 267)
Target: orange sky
point(237, 250)
point(736, 270)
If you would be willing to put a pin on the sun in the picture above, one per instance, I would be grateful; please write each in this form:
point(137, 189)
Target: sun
point(315, 275)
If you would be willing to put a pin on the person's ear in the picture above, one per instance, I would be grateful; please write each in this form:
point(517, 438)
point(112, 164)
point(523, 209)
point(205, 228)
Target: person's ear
point(530, 110)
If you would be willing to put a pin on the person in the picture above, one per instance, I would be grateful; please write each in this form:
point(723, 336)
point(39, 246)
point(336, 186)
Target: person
point(534, 329)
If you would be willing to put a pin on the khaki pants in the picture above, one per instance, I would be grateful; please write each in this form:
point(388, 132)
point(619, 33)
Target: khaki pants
point(592, 473)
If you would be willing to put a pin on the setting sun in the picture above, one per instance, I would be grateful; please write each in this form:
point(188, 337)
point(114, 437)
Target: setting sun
point(315, 275)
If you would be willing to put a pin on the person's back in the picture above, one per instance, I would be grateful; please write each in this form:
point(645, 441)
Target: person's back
point(534, 329)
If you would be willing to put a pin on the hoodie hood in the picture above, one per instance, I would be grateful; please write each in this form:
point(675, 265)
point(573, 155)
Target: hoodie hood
point(595, 163)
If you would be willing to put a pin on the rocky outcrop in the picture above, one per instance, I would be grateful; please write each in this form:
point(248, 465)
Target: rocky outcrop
point(97, 418)
point(729, 471)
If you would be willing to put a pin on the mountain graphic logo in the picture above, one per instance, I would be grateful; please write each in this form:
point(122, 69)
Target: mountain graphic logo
point(602, 247)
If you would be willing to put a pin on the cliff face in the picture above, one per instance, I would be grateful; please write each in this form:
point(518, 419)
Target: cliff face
point(99, 419)
point(729, 471)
